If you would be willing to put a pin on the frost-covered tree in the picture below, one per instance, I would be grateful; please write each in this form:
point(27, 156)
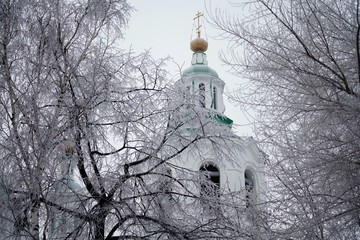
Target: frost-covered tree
point(88, 132)
point(302, 60)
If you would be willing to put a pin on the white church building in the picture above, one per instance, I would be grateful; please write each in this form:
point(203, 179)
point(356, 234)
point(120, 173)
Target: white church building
point(230, 163)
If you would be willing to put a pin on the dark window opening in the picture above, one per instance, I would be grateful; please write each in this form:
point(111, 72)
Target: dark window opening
point(202, 94)
point(214, 102)
point(211, 186)
point(249, 188)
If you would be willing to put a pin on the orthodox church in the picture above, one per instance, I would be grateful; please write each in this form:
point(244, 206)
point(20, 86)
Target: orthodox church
point(232, 163)
point(223, 162)
point(226, 162)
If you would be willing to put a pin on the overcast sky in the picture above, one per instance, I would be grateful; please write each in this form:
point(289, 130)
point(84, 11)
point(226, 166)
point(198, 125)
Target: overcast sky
point(167, 27)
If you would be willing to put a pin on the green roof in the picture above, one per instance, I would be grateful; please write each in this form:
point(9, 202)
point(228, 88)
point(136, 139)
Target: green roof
point(223, 120)
point(200, 69)
point(215, 117)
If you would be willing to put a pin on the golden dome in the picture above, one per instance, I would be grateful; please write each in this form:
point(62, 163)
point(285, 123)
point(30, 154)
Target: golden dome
point(198, 45)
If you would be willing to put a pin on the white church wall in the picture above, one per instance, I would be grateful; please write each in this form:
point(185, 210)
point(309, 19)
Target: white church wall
point(232, 164)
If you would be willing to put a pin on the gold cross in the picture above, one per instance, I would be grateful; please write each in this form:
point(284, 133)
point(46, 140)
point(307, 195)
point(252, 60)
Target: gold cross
point(197, 16)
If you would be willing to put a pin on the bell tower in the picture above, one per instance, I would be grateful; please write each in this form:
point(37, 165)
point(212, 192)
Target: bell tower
point(228, 162)
point(201, 81)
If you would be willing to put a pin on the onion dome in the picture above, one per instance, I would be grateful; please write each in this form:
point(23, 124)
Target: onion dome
point(198, 45)
point(199, 64)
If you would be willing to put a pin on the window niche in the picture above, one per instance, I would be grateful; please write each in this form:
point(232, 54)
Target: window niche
point(210, 186)
point(249, 187)
point(214, 99)
point(202, 94)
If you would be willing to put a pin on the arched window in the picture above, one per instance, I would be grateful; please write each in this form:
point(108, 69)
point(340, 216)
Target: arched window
point(202, 94)
point(211, 186)
point(249, 187)
point(214, 102)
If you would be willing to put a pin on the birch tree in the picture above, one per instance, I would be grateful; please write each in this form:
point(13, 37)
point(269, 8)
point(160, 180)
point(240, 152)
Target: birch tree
point(302, 60)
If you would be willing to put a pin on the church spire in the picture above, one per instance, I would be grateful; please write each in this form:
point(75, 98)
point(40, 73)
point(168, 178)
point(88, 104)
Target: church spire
point(203, 86)
point(198, 44)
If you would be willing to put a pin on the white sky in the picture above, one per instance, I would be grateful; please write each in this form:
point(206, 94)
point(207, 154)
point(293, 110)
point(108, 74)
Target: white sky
point(167, 27)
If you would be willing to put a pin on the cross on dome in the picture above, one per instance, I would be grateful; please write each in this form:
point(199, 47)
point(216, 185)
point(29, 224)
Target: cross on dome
point(198, 16)
point(198, 44)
